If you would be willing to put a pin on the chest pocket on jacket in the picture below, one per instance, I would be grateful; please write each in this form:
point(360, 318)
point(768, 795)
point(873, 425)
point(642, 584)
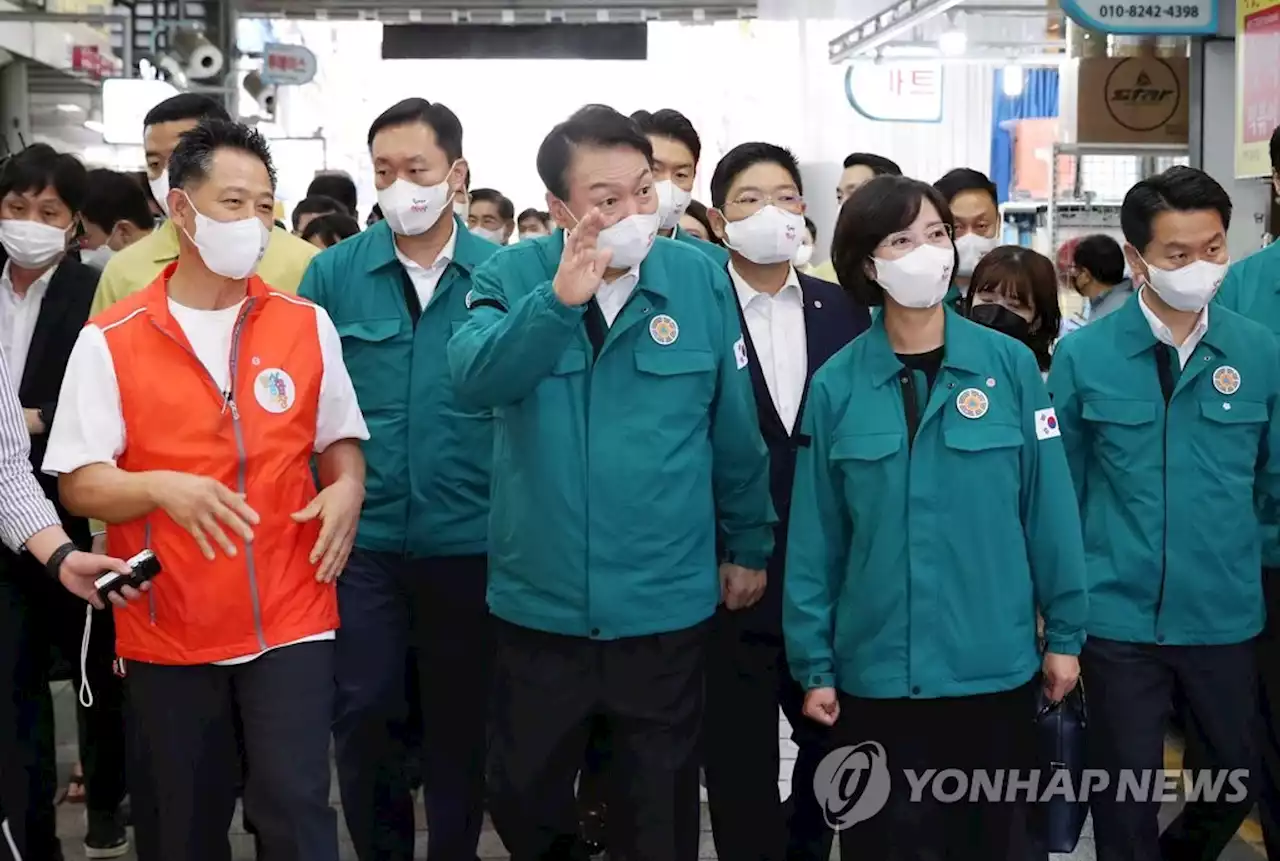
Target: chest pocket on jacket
point(866, 463)
point(1231, 437)
point(1123, 431)
point(676, 381)
point(983, 454)
point(378, 369)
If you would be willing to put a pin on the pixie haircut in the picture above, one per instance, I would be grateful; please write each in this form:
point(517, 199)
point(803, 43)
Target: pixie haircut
point(1019, 273)
point(876, 211)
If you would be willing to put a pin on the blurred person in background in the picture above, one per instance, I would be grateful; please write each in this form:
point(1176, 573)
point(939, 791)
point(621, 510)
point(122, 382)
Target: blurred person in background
point(336, 185)
point(314, 206)
point(115, 215)
point(44, 303)
point(859, 169)
point(375, 215)
point(976, 210)
point(241, 622)
point(144, 182)
point(136, 267)
point(791, 325)
point(1096, 270)
point(417, 576)
point(696, 223)
point(327, 231)
point(1014, 290)
point(492, 216)
point(676, 150)
point(531, 223)
point(804, 254)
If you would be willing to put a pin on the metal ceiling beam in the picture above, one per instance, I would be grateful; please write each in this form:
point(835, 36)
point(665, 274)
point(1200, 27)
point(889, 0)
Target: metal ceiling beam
point(900, 18)
point(519, 12)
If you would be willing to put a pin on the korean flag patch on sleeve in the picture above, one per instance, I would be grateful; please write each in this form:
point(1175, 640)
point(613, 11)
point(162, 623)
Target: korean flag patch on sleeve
point(1047, 424)
point(740, 353)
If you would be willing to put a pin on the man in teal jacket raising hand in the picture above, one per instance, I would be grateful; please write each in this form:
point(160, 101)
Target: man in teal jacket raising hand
point(625, 433)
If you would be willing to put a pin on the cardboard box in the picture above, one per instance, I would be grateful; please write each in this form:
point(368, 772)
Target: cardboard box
point(1133, 100)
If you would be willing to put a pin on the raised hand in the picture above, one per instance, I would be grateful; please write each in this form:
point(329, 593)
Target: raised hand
point(583, 262)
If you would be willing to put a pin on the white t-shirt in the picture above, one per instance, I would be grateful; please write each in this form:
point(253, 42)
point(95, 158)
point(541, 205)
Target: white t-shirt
point(89, 426)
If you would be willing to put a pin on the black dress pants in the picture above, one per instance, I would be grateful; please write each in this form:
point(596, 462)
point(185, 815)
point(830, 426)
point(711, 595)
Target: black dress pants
point(967, 734)
point(1129, 686)
point(548, 689)
point(1268, 649)
point(185, 730)
point(747, 681)
point(38, 620)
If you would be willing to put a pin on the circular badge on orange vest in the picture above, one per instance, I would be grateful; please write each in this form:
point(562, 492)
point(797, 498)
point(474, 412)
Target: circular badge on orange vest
point(274, 390)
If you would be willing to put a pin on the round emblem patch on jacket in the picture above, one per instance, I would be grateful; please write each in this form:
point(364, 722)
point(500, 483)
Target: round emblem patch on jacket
point(972, 403)
point(1226, 380)
point(275, 390)
point(663, 330)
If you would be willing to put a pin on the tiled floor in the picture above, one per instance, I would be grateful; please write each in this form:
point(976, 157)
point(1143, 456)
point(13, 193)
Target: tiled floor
point(71, 823)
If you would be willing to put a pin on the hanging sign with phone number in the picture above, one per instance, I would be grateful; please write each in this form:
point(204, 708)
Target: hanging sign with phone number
point(1185, 18)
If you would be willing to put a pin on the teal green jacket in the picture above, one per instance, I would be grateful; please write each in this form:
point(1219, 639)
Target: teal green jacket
point(717, 253)
point(915, 570)
point(1252, 288)
point(428, 458)
point(609, 474)
point(1167, 494)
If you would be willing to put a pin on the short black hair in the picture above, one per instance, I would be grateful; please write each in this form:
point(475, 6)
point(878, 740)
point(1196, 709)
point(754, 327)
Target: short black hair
point(1016, 272)
point(697, 210)
point(592, 126)
point(877, 210)
point(811, 227)
point(317, 204)
point(1100, 256)
point(114, 197)
point(877, 164)
point(1178, 189)
point(331, 228)
point(506, 209)
point(337, 186)
point(376, 212)
point(531, 213)
point(744, 156)
point(1275, 150)
point(667, 123)
point(962, 179)
point(40, 166)
point(193, 156)
point(433, 115)
point(186, 106)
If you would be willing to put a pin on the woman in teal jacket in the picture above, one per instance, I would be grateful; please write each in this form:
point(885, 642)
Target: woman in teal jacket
point(933, 514)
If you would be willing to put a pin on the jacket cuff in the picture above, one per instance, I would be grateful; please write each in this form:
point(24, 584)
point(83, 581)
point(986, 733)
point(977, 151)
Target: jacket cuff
point(1063, 644)
point(570, 314)
point(751, 561)
point(819, 680)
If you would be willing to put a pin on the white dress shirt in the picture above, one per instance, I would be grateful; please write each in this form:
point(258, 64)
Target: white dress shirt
point(18, 315)
point(613, 295)
point(1165, 336)
point(89, 427)
point(426, 279)
point(776, 326)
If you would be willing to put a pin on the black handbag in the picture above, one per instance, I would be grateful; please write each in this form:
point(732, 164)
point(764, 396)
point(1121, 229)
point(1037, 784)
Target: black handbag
point(1060, 736)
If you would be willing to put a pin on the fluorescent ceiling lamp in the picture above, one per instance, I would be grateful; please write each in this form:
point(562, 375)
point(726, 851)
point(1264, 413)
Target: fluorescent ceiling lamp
point(125, 103)
point(1012, 80)
point(68, 108)
point(95, 126)
point(953, 42)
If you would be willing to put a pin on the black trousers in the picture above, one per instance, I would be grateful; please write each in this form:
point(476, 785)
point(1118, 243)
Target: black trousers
point(747, 681)
point(548, 689)
point(1268, 654)
point(186, 735)
point(387, 601)
point(1129, 686)
point(38, 620)
point(968, 734)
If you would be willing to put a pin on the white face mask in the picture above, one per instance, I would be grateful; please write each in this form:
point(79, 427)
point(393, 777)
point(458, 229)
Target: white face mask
point(630, 239)
point(462, 210)
point(771, 235)
point(918, 280)
point(1190, 288)
point(31, 244)
point(231, 249)
point(494, 236)
point(973, 248)
point(672, 203)
point(160, 191)
point(804, 254)
point(411, 209)
point(97, 257)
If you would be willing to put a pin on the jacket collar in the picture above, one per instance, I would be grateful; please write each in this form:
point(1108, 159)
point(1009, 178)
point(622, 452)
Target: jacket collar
point(1135, 335)
point(962, 350)
point(468, 251)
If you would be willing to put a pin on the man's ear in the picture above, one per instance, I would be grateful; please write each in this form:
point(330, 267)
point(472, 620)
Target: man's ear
point(718, 222)
point(559, 212)
point(1136, 264)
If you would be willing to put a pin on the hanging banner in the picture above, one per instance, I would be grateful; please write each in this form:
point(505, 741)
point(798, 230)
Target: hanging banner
point(905, 91)
point(1257, 84)
point(1155, 18)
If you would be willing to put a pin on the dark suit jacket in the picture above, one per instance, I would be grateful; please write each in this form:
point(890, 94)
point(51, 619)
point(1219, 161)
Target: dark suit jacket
point(63, 313)
point(831, 321)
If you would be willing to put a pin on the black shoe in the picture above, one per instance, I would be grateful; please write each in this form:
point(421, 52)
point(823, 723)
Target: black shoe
point(106, 837)
point(593, 830)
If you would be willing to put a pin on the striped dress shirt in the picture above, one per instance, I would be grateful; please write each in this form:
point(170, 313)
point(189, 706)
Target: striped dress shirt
point(24, 509)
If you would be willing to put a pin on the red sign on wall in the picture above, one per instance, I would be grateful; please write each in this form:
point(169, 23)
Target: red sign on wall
point(1261, 95)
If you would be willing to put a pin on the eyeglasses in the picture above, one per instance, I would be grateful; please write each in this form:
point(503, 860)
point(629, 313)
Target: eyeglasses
point(906, 240)
point(754, 202)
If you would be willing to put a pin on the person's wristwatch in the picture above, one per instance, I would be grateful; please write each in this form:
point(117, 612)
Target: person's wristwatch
point(54, 565)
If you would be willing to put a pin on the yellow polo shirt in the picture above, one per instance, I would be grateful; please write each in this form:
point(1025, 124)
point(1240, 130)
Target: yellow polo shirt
point(827, 272)
point(138, 265)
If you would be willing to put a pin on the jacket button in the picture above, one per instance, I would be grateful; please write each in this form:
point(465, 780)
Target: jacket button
point(1159, 638)
point(595, 632)
point(916, 690)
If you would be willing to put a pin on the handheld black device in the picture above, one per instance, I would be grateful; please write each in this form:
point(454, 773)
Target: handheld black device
point(143, 567)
